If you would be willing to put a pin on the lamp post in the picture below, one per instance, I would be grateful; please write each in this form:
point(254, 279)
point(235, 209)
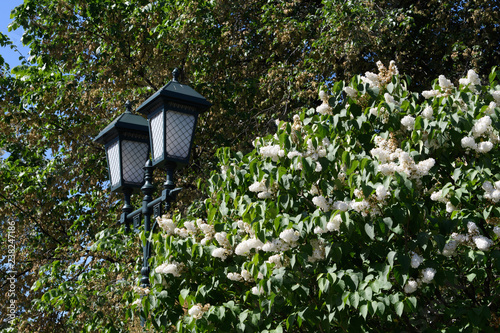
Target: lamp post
point(172, 114)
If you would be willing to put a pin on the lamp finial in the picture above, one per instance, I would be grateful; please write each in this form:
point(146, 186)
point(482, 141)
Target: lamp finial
point(176, 74)
point(128, 107)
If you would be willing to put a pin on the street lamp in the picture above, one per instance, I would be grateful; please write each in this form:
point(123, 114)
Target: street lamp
point(126, 141)
point(172, 114)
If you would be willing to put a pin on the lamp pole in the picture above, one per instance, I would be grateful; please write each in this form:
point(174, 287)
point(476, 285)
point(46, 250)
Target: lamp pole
point(150, 208)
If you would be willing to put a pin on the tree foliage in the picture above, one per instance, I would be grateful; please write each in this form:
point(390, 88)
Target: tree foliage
point(255, 61)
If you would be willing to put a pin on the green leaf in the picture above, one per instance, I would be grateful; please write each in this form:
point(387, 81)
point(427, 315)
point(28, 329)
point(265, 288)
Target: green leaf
point(370, 230)
point(399, 307)
point(363, 310)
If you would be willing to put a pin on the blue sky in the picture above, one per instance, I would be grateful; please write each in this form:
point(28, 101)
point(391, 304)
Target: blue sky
point(10, 56)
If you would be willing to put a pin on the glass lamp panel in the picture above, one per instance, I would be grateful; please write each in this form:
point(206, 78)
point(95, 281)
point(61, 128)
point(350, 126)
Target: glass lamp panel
point(113, 152)
point(134, 156)
point(179, 128)
point(156, 125)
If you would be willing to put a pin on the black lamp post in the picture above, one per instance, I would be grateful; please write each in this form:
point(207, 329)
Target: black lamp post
point(172, 114)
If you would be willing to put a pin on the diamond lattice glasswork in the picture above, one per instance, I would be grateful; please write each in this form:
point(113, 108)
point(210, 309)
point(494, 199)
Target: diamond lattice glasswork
point(179, 127)
point(157, 132)
point(134, 155)
point(113, 152)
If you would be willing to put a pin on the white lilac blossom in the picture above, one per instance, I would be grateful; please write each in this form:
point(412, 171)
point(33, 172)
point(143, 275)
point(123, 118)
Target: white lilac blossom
point(393, 69)
point(276, 260)
point(383, 78)
point(444, 83)
point(382, 113)
point(197, 310)
point(411, 286)
point(469, 142)
point(220, 252)
point(361, 207)
point(493, 191)
point(317, 152)
point(274, 152)
point(221, 238)
point(372, 79)
point(297, 124)
point(265, 195)
point(173, 268)
point(323, 96)
point(258, 186)
point(245, 228)
point(245, 246)
point(245, 274)
point(290, 235)
point(449, 248)
point(423, 167)
point(496, 230)
point(408, 122)
point(428, 275)
point(481, 126)
point(235, 277)
point(318, 251)
point(430, 93)
point(324, 109)
point(271, 246)
point(166, 224)
point(496, 96)
point(191, 227)
point(318, 230)
point(472, 79)
point(438, 196)
point(484, 147)
point(257, 290)
point(387, 154)
point(181, 232)
point(262, 191)
point(351, 92)
point(340, 205)
point(293, 154)
point(334, 223)
point(416, 260)
point(450, 207)
point(482, 243)
point(321, 202)
point(207, 229)
point(314, 190)
point(459, 237)
point(472, 228)
point(490, 109)
point(428, 112)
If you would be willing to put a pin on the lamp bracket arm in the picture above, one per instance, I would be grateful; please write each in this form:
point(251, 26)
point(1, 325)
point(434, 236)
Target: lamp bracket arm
point(171, 195)
point(136, 212)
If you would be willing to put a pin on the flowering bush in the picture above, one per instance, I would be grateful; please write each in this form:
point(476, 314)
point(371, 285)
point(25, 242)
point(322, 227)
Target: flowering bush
point(376, 211)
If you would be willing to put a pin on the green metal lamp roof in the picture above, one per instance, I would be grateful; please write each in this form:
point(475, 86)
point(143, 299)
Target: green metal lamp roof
point(176, 92)
point(126, 121)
